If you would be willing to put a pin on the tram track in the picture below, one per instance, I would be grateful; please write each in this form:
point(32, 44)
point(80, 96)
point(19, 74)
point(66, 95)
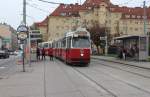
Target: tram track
point(123, 81)
point(82, 71)
point(126, 82)
point(123, 64)
point(95, 84)
point(121, 68)
point(103, 87)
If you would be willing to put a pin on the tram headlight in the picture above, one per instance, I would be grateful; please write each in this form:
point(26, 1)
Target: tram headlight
point(82, 54)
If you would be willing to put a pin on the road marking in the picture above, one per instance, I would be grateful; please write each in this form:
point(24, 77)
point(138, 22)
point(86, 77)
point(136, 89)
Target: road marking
point(2, 67)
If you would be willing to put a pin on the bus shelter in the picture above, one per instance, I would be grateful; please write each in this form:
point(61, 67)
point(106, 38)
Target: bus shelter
point(136, 46)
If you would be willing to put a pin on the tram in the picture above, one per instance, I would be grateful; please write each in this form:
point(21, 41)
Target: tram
point(74, 47)
point(48, 47)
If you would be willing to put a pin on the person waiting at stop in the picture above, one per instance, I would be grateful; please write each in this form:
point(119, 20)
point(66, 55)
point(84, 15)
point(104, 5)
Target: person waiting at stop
point(43, 54)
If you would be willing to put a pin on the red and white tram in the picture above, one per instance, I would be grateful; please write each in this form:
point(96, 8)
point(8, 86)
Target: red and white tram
point(74, 47)
point(48, 47)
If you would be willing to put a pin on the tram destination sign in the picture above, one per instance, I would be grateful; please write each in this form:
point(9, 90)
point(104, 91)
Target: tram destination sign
point(81, 33)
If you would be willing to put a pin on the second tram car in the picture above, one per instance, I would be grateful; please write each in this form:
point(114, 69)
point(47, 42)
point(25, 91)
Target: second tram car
point(48, 47)
point(74, 47)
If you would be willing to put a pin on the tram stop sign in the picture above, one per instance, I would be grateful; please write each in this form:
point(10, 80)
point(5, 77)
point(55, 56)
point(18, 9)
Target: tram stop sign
point(22, 32)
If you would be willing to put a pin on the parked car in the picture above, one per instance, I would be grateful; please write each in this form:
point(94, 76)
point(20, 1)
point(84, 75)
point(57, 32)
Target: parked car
point(4, 54)
point(16, 52)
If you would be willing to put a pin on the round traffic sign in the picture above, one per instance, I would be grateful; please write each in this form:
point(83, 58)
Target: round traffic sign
point(22, 35)
point(22, 28)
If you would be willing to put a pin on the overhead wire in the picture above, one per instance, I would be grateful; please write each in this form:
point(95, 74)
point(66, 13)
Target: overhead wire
point(37, 8)
point(49, 2)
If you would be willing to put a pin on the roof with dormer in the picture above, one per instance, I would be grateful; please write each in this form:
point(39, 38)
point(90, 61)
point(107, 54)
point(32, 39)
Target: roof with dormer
point(67, 10)
point(42, 23)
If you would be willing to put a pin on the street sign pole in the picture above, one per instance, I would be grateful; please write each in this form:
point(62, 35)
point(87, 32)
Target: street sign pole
point(23, 58)
point(22, 36)
point(145, 30)
point(106, 46)
point(29, 42)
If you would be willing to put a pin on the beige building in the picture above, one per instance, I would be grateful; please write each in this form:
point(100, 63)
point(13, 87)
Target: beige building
point(118, 20)
point(9, 36)
point(43, 28)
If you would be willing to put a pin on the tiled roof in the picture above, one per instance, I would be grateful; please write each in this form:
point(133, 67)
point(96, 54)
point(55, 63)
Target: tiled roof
point(43, 23)
point(66, 10)
point(95, 2)
point(137, 11)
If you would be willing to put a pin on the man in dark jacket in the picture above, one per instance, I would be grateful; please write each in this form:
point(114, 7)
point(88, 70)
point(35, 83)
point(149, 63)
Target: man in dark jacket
point(38, 54)
point(43, 54)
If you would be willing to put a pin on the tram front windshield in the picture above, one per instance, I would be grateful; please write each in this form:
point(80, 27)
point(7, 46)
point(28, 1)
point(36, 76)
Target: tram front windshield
point(45, 45)
point(81, 42)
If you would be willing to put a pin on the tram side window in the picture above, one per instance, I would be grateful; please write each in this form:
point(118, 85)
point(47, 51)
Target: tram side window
point(46, 45)
point(50, 45)
point(69, 42)
point(64, 43)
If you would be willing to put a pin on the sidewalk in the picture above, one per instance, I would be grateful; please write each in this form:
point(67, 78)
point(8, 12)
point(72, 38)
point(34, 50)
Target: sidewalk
point(23, 84)
point(50, 78)
point(145, 65)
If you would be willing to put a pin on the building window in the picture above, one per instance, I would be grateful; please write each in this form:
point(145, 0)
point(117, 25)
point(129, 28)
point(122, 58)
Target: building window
point(131, 28)
point(117, 15)
point(141, 22)
point(130, 21)
point(124, 22)
point(57, 27)
point(127, 16)
point(138, 17)
point(136, 29)
point(63, 14)
point(136, 22)
point(133, 16)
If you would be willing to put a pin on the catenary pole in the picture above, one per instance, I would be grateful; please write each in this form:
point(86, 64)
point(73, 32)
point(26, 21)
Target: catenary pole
point(145, 29)
point(24, 21)
point(24, 12)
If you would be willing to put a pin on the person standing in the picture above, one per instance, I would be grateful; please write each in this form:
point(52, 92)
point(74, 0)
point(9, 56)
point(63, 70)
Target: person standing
point(43, 54)
point(50, 54)
point(38, 54)
point(124, 53)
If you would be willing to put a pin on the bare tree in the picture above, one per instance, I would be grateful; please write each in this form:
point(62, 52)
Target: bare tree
point(96, 32)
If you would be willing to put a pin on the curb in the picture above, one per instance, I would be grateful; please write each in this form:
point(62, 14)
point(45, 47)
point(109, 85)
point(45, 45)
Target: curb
point(122, 63)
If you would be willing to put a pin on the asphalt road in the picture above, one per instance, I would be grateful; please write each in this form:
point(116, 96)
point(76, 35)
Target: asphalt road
point(7, 66)
point(108, 79)
point(56, 79)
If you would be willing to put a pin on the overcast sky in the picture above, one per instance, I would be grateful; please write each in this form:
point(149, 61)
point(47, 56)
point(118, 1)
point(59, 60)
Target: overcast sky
point(11, 10)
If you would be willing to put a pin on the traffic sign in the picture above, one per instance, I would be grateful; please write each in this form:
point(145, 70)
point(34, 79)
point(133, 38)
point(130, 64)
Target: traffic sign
point(22, 32)
point(22, 35)
point(22, 28)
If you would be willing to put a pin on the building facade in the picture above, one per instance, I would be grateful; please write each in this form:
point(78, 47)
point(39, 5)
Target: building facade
point(9, 36)
point(118, 20)
point(43, 28)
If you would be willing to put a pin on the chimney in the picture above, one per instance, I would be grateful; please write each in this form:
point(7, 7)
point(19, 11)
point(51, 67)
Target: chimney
point(76, 4)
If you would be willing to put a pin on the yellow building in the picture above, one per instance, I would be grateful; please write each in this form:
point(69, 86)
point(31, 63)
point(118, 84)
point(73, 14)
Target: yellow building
point(43, 28)
point(9, 36)
point(118, 20)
